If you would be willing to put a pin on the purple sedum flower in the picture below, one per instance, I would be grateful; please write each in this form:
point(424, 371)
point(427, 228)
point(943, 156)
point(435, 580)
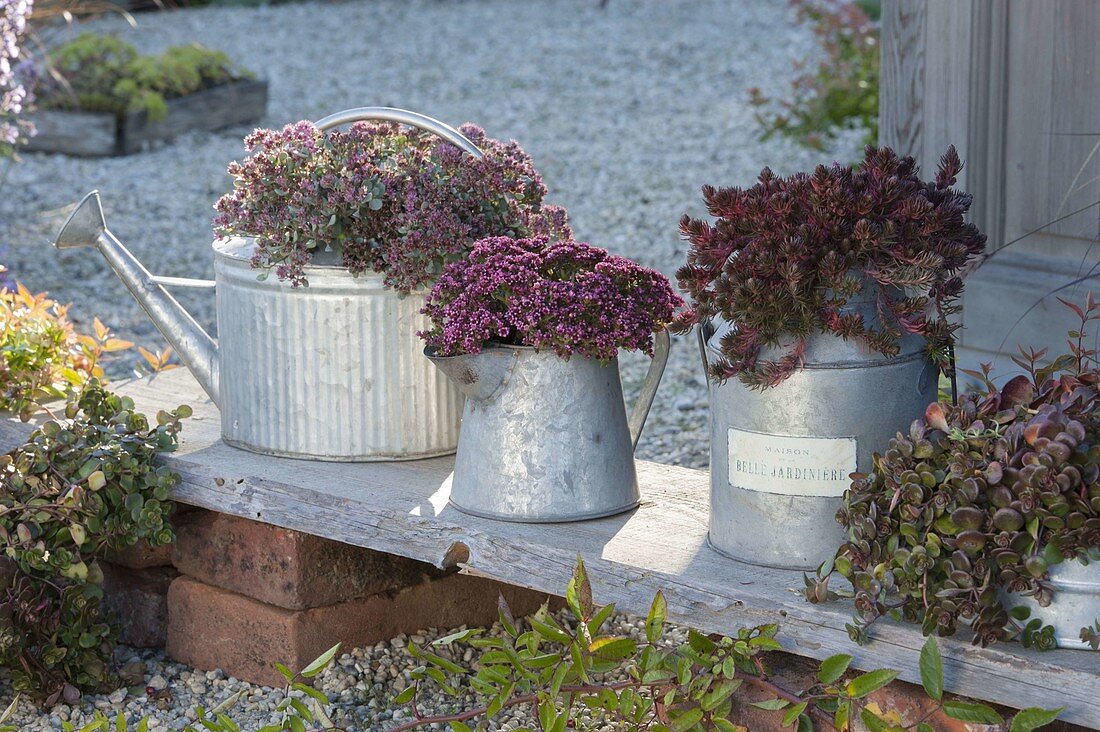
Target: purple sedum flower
point(565, 296)
point(388, 198)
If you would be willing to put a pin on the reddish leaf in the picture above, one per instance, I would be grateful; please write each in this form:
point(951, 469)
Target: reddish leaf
point(1016, 392)
point(935, 417)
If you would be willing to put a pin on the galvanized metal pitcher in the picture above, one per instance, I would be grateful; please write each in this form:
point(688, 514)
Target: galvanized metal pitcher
point(780, 457)
point(332, 371)
point(544, 439)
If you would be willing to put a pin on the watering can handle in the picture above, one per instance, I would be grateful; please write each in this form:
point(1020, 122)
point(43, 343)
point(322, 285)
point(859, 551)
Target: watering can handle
point(401, 116)
point(661, 344)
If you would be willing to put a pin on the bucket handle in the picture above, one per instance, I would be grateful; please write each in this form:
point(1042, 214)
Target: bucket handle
point(401, 116)
point(661, 346)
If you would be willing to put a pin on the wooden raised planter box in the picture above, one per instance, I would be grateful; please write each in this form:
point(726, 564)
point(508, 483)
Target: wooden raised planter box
point(97, 134)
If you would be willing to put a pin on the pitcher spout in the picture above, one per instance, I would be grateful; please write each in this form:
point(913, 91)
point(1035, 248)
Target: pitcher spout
point(479, 376)
point(87, 227)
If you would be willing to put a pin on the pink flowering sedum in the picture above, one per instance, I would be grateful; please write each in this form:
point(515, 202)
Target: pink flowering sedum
point(383, 197)
point(566, 296)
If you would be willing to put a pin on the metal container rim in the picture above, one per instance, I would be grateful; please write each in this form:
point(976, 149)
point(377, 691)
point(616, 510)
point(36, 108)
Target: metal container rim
point(231, 249)
point(430, 352)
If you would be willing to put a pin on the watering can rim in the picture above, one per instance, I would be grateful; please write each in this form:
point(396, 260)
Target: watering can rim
point(432, 352)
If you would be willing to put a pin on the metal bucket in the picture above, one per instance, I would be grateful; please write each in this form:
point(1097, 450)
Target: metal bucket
point(1075, 605)
point(332, 371)
point(780, 458)
point(544, 439)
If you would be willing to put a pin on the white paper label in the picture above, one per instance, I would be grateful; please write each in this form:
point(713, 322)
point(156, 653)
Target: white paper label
point(792, 466)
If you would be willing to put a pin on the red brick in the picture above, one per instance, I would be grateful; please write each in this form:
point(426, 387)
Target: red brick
point(285, 568)
point(213, 628)
point(137, 599)
point(141, 556)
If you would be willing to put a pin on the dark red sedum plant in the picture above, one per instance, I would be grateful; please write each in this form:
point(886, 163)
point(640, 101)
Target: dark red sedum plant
point(782, 258)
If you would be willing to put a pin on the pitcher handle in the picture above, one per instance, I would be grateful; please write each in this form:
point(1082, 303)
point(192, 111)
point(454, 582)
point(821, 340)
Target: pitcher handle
point(703, 332)
point(661, 346)
point(401, 116)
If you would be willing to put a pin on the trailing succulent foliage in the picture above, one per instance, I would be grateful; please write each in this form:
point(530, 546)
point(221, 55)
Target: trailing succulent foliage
point(980, 498)
point(105, 74)
point(566, 296)
point(42, 357)
point(574, 676)
point(842, 91)
point(385, 198)
point(81, 486)
point(784, 257)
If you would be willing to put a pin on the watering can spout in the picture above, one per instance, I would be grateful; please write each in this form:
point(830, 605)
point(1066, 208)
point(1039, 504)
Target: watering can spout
point(87, 227)
point(479, 376)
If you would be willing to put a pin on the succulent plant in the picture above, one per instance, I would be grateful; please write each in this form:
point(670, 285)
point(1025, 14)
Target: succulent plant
point(783, 258)
point(980, 498)
point(101, 73)
point(568, 297)
point(78, 487)
point(381, 197)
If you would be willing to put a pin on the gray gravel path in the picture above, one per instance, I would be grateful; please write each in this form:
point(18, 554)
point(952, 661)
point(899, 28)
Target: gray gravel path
point(360, 685)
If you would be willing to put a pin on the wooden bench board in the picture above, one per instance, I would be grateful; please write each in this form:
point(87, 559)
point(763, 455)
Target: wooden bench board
point(401, 508)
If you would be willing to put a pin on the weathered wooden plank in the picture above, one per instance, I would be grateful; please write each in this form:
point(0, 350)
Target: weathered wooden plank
point(207, 110)
point(90, 134)
point(100, 134)
point(401, 508)
point(1074, 133)
point(901, 103)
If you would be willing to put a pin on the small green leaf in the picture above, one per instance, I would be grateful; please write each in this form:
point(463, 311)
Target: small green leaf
point(771, 705)
point(833, 667)
point(971, 712)
point(405, 696)
point(840, 718)
point(870, 682)
point(687, 720)
point(321, 662)
point(613, 649)
point(285, 672)
point(724, 725)
point(578, 593)
point(1033, 718)
point(655, 621)
point(931, 669)
point(793, 714)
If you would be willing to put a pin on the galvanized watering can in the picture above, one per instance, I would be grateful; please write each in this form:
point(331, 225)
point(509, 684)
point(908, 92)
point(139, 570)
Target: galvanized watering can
point(1076, 601)
point(780, 457)
point(544, 439)
point(332, 371)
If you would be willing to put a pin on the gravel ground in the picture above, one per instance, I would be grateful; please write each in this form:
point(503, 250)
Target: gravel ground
point(627, 110)
point(360, 685)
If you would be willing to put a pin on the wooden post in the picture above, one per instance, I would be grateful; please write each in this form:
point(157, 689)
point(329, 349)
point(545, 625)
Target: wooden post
point(1016, 88)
